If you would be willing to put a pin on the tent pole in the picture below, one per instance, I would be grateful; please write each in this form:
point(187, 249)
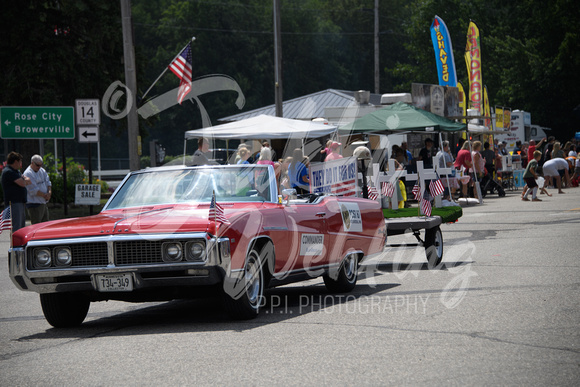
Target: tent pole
point(184, 150)
point(445, 166)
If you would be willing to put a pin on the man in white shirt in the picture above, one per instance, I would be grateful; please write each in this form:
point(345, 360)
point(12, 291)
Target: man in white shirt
point(38, 192)
point(444, 156)
point(552, 169)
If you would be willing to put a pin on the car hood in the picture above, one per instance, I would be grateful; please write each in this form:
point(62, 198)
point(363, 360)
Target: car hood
point(149, 220)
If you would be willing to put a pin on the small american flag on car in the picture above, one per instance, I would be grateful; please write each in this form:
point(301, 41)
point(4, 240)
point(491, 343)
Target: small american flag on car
point(216, 212)
point(6, 220)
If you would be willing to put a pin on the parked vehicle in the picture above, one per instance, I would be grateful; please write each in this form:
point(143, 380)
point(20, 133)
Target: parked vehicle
point(521, 129)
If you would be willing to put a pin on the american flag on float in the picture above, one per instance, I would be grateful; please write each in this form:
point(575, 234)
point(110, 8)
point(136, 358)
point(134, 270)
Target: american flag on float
point(416, 191)
point(216, 212)
point(388, 189)
point(426, 203)
point(373, 193)
point(183, 68)
point(5, 220)
point(436, 187)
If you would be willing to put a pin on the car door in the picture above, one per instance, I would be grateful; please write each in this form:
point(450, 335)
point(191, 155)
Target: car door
point(308, 236)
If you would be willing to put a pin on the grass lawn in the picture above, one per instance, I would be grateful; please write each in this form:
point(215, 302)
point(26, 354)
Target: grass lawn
point(447, 214)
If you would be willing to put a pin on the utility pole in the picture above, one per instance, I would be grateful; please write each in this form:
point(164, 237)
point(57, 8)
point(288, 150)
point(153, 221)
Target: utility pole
point(278, 59)
point(377, 72)
point(131, 82)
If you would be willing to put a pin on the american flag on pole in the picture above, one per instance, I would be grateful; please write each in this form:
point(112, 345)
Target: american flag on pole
point(388, 189)
point(416, 191)
point(216, 211)
point(182, 67)
point(426, 203)
point(436, 187)
point(5, 220)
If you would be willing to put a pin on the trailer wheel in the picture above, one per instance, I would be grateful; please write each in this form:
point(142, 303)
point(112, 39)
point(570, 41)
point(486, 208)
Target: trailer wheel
point(433, 247)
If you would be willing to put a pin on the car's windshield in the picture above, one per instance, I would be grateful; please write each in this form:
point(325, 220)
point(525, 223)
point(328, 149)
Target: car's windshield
point(195, 185)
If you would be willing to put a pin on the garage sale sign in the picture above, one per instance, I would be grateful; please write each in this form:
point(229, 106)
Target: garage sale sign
point(88, 194)
point(337, 177)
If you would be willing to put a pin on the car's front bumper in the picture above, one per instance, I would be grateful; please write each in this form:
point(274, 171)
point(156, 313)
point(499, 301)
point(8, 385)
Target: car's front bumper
point(147, 274)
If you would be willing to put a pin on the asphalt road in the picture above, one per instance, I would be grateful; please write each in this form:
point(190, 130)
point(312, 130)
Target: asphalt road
point(504, 309)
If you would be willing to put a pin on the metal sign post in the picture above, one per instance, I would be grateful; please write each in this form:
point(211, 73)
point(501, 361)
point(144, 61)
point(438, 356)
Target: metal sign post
point(88, 119)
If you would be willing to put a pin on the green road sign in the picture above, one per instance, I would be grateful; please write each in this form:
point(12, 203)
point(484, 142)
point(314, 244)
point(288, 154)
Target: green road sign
point(37, 122)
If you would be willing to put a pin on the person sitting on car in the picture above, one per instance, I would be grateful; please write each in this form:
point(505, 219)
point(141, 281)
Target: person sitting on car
point(298, 173)
point(199, 157)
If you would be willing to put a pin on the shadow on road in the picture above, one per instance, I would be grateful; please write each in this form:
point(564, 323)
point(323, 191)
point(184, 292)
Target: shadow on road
point(208, 314)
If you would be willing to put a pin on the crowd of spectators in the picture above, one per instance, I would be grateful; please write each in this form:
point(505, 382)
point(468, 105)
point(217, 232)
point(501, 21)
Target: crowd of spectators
point(472, 160)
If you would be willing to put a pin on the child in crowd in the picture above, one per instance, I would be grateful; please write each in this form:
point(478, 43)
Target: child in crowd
point(530, 177)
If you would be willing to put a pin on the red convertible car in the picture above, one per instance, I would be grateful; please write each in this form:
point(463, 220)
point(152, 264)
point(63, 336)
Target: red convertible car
point(166, 232)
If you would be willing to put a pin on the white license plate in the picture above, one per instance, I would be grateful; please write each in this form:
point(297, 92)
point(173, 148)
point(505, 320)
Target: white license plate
point(122, 282)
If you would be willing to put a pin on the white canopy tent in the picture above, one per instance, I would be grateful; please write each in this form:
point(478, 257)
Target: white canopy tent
point(264, 127)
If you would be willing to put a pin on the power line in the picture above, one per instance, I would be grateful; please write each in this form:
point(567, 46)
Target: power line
point(258, 32)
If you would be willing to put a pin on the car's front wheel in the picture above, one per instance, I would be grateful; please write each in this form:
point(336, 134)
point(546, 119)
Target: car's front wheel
point(347, 276)
point(64, 310)
point(243, 302)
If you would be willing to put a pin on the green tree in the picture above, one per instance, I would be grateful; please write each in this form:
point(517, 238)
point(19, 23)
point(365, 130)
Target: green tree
point(529, 53)
point(55, 51)
point(325, 44)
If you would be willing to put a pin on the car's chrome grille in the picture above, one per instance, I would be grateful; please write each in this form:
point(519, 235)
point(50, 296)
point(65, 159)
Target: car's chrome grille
point(138, 252)
point(96, 254)
point(83, 254)
point(89, 254)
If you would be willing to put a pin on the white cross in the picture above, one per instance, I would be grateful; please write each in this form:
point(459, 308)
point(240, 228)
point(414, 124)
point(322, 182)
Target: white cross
point(393, 175)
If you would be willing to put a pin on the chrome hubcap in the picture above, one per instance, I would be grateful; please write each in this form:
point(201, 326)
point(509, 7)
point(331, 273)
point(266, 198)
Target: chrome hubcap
point(350, 267)
point(253, 280)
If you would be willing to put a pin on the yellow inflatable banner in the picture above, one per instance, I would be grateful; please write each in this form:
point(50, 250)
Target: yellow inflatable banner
point(473, 62)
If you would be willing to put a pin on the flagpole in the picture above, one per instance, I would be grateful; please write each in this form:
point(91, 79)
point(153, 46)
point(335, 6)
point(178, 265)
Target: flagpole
point(11, 225)
point(166, 68)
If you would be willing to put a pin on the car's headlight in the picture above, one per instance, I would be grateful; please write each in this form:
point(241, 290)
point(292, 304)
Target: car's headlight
point(63, 256)
point(195, 251)
point(42, 257)
point(172, 252)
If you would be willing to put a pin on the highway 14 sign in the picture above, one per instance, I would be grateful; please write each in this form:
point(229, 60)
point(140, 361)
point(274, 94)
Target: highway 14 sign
point(88, 112)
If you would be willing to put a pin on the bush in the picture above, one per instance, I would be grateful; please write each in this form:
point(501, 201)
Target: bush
point(145, 162)
point(75, 174)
